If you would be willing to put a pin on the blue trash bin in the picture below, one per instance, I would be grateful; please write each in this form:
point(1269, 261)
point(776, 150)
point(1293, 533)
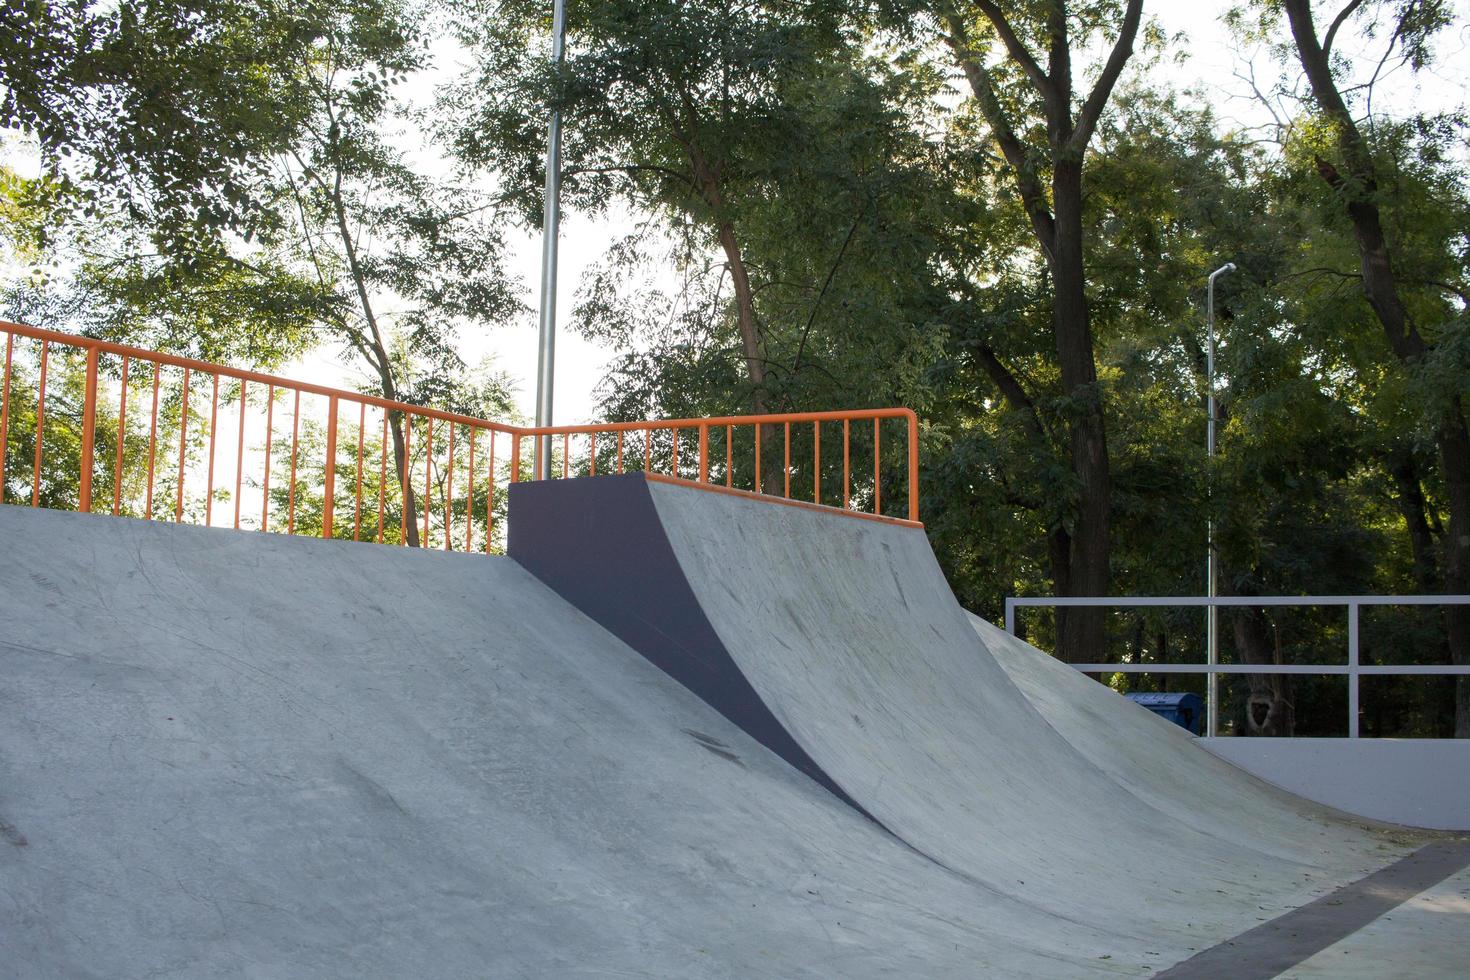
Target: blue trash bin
point(1185, 710)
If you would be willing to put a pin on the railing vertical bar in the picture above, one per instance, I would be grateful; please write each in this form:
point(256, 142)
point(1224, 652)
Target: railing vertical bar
point(152, 445)
point(785, 467)
point(758, 458)
point(490, 495)
point(183, 433)
point(122, 428)
point(786, 462)
point(1010, 607)
point(620, 451)
point(729, 455)
point(704, 453)
point(469, 504)
point(913, 468)
point(295, 436)
point(515, 457)
point(213, 431)
point(361, 438)
point(382, 475)
point(816, 462)
point(329, 488)
point(265, 492)
point(877, 467)
point(592, 454)
point(449, 493)
point(5, 411)
point(89, 434)
point(1353, 664)
point(846, 462)
point(428, 479)
point(40, 417)
point(240, 455)
point(647, 450)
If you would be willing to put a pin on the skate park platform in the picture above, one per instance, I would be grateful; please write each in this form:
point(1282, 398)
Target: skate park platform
point(676, 732)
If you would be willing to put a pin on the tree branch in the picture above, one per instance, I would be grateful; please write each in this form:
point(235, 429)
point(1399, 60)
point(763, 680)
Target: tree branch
point(1015, 48)
point(1317, 67)
point(1033, 195)
point(831, 274)
point(1059, 61)
point(1103, 88)
point(1011, 389)
point(1337, 22)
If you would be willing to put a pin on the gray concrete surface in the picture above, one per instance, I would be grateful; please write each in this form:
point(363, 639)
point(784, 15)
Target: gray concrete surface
point(849, 632)
point(1156, 760)
point(230, 754)
point(1398, 780)
point(1287, 941)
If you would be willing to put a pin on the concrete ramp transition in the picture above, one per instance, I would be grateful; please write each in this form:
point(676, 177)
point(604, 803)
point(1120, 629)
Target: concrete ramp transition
point(683, 734)
point(977, 751)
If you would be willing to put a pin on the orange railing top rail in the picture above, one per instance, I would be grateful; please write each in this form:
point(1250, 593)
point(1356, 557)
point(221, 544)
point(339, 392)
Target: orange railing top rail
point(702, 426)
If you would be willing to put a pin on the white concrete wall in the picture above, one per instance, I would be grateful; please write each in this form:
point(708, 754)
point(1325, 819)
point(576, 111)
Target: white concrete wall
point(1418, 782)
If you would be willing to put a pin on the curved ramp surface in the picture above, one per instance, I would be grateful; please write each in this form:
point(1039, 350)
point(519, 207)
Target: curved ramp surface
point(1157, 760)
point(1017, 775)
point(230, 754)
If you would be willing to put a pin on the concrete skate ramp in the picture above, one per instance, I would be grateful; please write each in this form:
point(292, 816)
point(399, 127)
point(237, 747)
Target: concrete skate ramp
point(230, 754)
point(1155, 759)
point(1052, 792)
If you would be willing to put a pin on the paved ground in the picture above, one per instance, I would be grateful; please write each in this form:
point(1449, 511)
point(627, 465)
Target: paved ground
point(1407, 942)
point(234, 754)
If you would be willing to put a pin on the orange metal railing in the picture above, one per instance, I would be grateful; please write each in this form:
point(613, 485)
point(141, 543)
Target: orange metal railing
point(82, 430)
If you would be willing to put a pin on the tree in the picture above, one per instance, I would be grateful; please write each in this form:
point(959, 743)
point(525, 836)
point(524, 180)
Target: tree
point(1419, 322)
point(685, 109)
point(165, 108)
point(1044, 133)
point(372, 231)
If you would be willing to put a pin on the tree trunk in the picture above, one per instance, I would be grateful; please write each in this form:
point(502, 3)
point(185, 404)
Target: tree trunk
point(750, 334)
point(1081, 632)
point(1409, 497)
point(707, 177)
point(405, 479)
point(379, 360)
point(1269, 710)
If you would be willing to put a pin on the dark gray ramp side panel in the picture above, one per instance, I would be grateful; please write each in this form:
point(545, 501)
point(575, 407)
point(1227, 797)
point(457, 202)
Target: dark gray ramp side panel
point(598, 542)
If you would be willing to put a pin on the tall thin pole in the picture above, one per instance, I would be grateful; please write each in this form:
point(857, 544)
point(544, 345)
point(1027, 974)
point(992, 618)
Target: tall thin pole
point(546, 356)
point(1212, 614)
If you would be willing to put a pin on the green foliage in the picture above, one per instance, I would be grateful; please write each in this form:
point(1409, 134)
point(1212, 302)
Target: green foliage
point(351, 245)
point(163, 108)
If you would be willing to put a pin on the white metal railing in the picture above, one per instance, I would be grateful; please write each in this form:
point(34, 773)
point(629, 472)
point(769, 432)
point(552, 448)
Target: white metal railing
point(1352, 669)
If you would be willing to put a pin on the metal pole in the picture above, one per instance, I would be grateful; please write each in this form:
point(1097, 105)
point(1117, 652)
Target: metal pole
point(1212, 613)
point(546, 356)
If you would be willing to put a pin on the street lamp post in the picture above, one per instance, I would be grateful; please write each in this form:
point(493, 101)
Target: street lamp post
point(1212, 618)
point(551, 220)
